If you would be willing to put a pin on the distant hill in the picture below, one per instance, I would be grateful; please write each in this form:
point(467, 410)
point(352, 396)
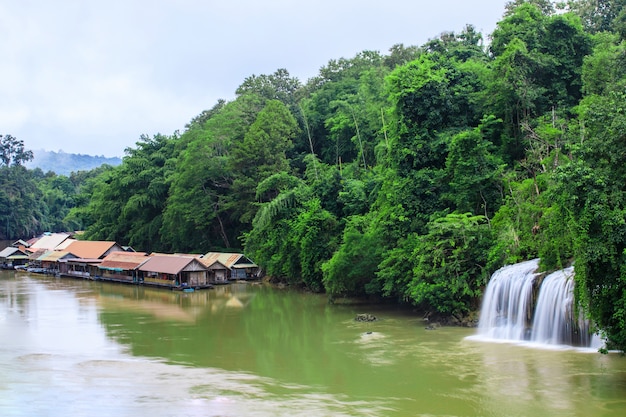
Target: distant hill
point(63, 163)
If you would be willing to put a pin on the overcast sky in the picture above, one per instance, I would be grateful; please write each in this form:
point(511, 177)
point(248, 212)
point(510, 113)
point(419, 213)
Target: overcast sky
point(92, 76)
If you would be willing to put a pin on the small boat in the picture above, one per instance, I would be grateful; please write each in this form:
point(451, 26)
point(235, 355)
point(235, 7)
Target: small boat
point(183, 288)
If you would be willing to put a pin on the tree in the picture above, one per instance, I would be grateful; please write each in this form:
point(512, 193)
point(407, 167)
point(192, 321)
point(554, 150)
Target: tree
point(21, 206)
point(537, 69)
point(199, 214)
point(271, 240)
point(449, 264)
point(592, 192)
point(128, 201)
point(59, 197)
point(343, 109)
point(400, 55)
point(353, 266)
point(605, 68)
point(315, 231)
point(292, 235)
point(473, 173)
point(79, 216)
point(545, 6)
point(12, 151)
point(202, 118)
point(598, 15)
point(261, 154)
point(277, 86)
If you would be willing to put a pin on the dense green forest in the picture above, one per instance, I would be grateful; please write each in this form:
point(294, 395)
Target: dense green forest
point(411, 175)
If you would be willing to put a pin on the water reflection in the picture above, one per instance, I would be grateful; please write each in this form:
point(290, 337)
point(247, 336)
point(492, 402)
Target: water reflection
point(56, 360)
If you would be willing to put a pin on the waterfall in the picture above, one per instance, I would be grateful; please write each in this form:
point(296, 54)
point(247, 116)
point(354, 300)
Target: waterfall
point(556, 320)
point(508, 313)
point(506, 309)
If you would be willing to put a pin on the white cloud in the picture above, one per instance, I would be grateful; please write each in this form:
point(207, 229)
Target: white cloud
point(92, 76)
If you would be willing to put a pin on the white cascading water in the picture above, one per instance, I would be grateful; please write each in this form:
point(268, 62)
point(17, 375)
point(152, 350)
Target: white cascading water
point(507, 304)
point(556, 320)
point(507, 313)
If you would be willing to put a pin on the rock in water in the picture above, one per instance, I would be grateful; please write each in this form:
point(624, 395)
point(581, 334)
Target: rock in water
point(365, 317)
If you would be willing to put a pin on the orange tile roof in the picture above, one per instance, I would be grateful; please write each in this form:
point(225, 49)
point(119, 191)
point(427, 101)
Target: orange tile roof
point(89, 249)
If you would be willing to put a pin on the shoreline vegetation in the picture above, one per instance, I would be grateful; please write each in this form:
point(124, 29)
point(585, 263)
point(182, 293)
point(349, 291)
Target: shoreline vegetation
point(408, 176)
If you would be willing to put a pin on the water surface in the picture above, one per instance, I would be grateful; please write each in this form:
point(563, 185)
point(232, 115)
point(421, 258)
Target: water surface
point(79, 348)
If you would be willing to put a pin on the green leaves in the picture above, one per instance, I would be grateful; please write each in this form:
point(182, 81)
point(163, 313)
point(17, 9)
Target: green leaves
point(262, 153)
point(292, 235)
point(594, 198)
point(449, 263)
point(473, 173)
point(354, 264)
point(127, 203)
point(12, 151)
point(22, 210)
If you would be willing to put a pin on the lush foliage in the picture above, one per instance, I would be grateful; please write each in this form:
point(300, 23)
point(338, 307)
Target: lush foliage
point(409, 176)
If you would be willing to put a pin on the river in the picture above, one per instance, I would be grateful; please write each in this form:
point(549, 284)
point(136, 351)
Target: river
point(80, 348)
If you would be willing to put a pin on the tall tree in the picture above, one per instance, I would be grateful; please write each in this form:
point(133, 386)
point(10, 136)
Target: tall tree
point(277, 86)
point(197, 215)
point(473, 173)
point(59, 197)
point(128, 202)
point(21, 208)
point(605, 69)
point(598, 15)
point(261, 154)
point(12, 151)
point(537, 69)
point(594, 203)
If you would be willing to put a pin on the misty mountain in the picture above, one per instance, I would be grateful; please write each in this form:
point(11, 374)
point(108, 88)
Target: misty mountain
point(64, 163)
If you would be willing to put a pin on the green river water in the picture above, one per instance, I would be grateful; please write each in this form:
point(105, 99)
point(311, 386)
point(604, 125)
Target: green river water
point(80, 348)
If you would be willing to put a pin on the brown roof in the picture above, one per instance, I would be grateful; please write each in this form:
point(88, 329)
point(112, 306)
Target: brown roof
point(169, 264)
point(90, 249)
point(35, 253)
point(123, 260)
